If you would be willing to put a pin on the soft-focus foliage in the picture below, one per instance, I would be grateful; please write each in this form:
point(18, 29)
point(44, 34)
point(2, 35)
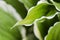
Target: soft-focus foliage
point(18, 6)
point(6, 22)
point(41, 20)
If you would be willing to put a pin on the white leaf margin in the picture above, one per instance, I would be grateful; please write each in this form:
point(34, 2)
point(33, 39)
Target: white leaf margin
point(55, 5)
point(36, 31)
point(10, 9)
point(43, 1)
point(27, 14)
point(50, 29)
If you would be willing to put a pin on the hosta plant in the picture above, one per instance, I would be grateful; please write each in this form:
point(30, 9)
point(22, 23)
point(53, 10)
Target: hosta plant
point(30, 20)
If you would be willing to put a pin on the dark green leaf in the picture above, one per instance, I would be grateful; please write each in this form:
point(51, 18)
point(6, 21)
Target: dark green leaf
point(18, 6)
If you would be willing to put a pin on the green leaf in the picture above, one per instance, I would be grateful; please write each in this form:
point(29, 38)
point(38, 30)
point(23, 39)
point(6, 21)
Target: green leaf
point(6, 22)
point(54, 32)
point(18, 6)
point(37, 12)
point(41, 26)
point(29, 3)
point(56, 3)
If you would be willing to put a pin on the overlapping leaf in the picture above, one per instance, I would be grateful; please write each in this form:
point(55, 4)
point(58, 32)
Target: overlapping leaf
point(54, 32)
point(38, 11)
point(56, 3)
point(41, 26)
point(6, 22)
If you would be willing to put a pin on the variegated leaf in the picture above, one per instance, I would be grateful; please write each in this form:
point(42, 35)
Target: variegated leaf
point(54, 32)
point(36, 12)
point(41, 26)
point(56, 3)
